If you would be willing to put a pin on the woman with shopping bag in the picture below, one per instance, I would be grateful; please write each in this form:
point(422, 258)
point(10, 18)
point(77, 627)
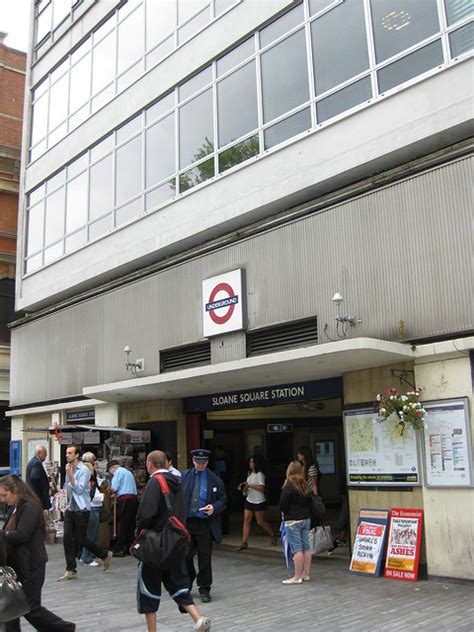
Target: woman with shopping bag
point(295, 501)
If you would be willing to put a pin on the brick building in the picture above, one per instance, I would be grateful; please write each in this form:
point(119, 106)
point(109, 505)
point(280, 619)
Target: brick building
point(12, 87)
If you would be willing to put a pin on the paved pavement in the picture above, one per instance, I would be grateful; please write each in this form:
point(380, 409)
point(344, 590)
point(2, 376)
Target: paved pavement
point(248, 595)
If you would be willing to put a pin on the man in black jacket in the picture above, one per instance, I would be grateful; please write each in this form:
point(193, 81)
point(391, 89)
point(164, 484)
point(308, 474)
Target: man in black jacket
point(153, 514)
point(37, 478)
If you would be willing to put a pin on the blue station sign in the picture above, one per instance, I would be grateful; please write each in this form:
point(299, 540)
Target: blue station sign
point(266, 396)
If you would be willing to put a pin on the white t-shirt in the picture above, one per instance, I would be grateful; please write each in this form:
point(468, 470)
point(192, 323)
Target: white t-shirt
point(253, 496)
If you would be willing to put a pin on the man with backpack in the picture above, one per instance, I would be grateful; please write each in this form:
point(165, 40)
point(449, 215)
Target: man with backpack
point(153, 514)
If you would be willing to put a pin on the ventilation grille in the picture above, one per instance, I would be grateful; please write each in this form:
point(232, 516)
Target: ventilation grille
point(300, 333)
point(185, 357)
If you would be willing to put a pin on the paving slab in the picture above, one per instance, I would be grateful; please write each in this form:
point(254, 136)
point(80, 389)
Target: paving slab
point(248, 596)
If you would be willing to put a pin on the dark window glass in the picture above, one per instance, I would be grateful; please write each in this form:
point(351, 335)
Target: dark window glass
point(339, 45)
point(7, 308)
point(197, 175)
point(237, 104)
point(196, 136)
point(345, 99)
point(410, 66)
point(239, 153)
point(284, 76)
point(399, 24)
point(293, 125)
point(462, 40)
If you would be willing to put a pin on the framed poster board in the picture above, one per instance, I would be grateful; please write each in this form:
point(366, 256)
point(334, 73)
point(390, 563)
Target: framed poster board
point(325, 452)
point(404, 542)
point(369, 544)
point(447, 444)
point(376, 454)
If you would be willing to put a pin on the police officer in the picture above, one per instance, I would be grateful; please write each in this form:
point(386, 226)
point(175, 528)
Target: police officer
point(205, 500)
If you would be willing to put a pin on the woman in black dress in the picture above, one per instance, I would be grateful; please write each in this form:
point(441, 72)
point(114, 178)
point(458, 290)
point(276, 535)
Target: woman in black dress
point(23, 536)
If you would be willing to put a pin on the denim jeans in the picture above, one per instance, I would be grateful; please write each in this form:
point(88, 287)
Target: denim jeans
point(92, 533)
point(297, 535)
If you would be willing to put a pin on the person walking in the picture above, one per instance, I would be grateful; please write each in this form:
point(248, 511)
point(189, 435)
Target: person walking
point(295, 501)
point(23, 536)
point(311, 468)
point(255, 503)
point(76, 517)
point(37, 478)
point(124, 488)
point(169, 464)
point(205, 500)
point(97, 502)
point(153, 514)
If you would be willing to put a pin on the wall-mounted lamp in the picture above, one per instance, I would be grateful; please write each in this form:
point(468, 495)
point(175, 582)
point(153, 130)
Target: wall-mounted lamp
point(133, 367)
point(343, 322)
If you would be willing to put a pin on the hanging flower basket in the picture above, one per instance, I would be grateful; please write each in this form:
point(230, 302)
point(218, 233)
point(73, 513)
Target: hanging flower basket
point(407, 407)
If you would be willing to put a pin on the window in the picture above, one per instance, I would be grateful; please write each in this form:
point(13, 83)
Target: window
point(128, 180)
point(101, 187)
point(410, 66)
point(160, 150)
point(462, 40)
point(344, 99)
point(196, 131)
point(237, 104)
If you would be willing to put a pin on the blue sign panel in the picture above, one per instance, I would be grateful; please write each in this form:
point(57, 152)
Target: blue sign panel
point(15, 457)
point(266, 396)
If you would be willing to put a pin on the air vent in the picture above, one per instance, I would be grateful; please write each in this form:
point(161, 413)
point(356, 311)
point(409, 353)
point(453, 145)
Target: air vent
point(185, 357)
point(299, 333)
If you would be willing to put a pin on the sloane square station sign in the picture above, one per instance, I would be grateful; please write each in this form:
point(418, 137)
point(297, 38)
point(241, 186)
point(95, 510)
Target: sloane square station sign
point(266, 396)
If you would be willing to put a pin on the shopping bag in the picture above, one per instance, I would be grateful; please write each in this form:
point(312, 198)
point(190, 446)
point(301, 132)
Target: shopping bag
point(321, 540)
point(13, 602)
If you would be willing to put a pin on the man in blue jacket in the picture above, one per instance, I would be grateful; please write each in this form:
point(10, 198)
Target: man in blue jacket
point(205, 500)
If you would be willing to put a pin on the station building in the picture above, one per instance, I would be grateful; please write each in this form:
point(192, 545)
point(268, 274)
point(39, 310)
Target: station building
point(239, 222)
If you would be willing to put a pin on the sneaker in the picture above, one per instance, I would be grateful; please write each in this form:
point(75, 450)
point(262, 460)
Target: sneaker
point(203, 624)
point(292, 581)
point(205, 597)
point(67, 576)
point(243, 546)
point(107, 561)
point(93, 563)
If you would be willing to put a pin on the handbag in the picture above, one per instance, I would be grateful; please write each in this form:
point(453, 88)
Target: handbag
point(317, 510)
point(13, 601)
point(321, 540)
point(166, 548)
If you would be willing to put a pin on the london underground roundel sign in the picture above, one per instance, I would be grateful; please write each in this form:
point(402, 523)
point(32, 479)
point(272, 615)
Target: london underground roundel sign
point(222, 303)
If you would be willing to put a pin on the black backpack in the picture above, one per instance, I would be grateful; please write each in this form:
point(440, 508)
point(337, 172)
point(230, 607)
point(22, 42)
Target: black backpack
point(168, 547)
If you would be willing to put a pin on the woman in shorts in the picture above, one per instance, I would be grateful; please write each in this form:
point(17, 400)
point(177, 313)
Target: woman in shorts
point(255, 502)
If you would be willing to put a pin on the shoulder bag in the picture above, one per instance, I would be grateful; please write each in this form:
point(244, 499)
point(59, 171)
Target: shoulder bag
point(317, 510)
point(168, 547)
point(13, 602)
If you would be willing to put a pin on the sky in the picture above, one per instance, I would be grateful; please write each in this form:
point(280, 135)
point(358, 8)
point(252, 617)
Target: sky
point(15, 20)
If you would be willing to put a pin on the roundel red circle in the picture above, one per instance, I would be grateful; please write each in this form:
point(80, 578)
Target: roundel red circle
point(221, 287)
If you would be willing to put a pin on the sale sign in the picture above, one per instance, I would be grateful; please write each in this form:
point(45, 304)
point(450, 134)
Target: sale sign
point(404, 541)
point(369, 542)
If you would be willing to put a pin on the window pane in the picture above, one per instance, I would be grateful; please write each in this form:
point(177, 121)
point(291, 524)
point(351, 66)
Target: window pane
point(101, 188)
point(293, 125)
point(162, 106)
point(103, 64)
point(76, 240)
point(80, 83)
point(399, 24)
point(37, 194)
point(34, 263)
point(160, 21)
point(284, 76)
point(78, 165)
point(129, 129)
point(102, 148)
point(410, 66)
point(129, 170)
point(237, 55)
point(339, 45)
point(62, 8)
point(160, 195)
point(186, 8)
point(281, 26)
point(197, 175)
point(458, 9)
point(54, 228)
point(194, 84)
point(53, 252)
point(345, 99)
point(130, 40)
point(239, 153)
point(40, 119)
point(128, 212)
point(99, 228)
point(35, 228)
point(56, 181)
point(315, 6)
point(196, 136)
point(160, 150)
point(193, 26)
point(237, 104)
point(222, 5)
point(76, 203)
point(44, 24)
point(462, 40)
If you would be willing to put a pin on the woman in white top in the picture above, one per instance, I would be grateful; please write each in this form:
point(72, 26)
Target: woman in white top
point(255, 502)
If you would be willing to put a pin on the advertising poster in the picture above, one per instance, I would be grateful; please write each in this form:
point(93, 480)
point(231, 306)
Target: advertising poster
point(447, 444)
point(404, 541)
point(369, 544)
point(376, 452)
